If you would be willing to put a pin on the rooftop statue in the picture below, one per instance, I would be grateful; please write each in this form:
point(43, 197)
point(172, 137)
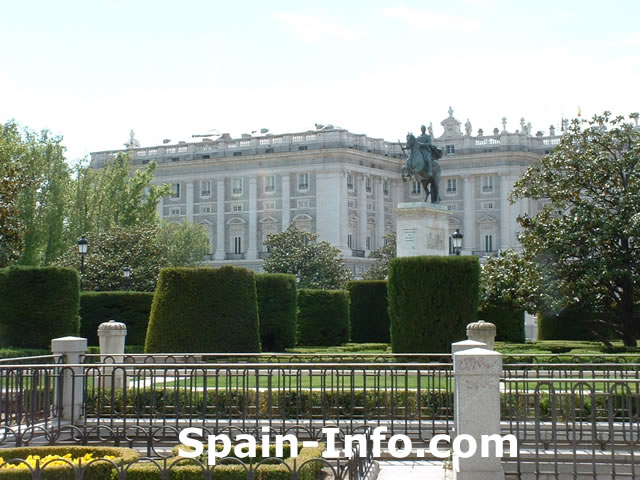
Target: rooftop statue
point(422, 164)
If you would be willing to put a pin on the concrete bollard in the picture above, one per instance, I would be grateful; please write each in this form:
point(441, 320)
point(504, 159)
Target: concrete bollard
point(477, 410)
point(70, 386)
point(482, 331)
point(112, 338)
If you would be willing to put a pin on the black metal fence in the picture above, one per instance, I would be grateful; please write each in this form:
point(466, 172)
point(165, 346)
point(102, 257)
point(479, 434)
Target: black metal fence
point(575, 416)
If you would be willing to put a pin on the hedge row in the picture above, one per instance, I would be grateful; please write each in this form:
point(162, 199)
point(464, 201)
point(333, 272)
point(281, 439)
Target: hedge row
point(204, 310)
point(369, 311)
point(569, 324)
point(431, 301)
point(277, 305)
point(130, 308)
point(323, 317)
point(509, 323)
point(38, 304)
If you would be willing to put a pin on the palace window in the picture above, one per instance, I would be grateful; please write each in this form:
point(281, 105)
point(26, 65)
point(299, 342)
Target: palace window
point(174, 211)
point(205, 188)
point(487, 184)
point(450, 149)
point(488, 243)
point(205, 209)
point(270, 184)
point(349, 181)
point(236, 207)
point(452, 185)
point(236, 186)
point(175, 190)
point(303, 181)
point(385, 187)
point(415, 188)
point(368, 184)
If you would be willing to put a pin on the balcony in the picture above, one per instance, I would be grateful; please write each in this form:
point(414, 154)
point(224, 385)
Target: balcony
point(485, 253)
point(235, 256)
point(263, 255)
point(357, 253)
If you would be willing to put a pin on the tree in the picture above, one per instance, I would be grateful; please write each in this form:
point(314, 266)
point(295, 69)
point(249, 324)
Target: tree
point(584, 239)
point(187, 243)
point(380, 268)
point(316, 264)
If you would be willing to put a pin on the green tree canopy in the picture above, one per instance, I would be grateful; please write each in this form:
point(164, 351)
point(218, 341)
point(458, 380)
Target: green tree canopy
point(317, 264)
point(585, 237)
point(380, 268)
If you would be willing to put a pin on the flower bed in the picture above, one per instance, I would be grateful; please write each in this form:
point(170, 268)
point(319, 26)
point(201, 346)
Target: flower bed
point(60, 463)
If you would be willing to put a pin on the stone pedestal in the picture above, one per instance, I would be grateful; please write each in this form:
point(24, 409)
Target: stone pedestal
point(112, 336)
point(70, 386)
point(477, 410)
point(422, 229)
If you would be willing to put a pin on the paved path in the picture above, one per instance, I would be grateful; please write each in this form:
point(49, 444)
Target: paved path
point(411, 470)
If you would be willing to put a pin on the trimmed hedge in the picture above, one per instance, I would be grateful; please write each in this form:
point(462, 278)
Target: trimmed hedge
point(277, 305)
point(96, 471)
point(431, 301)
point(204, 310)
point(323, 317)
point(509, 323)
point(38, 304)
point(369, 311)
point(130, 308)
point(569, 324)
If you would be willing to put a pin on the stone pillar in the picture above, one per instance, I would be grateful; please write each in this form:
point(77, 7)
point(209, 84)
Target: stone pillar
point(344, 218)
point(252, 251)
point(505, 212)
point(220, 250)
point(329, 207)
point(468, 227)
point(286, 201)
point(482, 331)
point(361, 241)
point(379, 240)
point(190, 201)
point(111, 335)
point(70, 385)
point(477, 410)
point(466, 345)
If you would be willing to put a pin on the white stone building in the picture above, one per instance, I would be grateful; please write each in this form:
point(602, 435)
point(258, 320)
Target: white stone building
point(341, 185)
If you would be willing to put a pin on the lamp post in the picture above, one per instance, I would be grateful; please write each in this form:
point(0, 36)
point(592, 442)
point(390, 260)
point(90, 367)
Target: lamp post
point(457, 241)
point(83, 249)
point(126, 273)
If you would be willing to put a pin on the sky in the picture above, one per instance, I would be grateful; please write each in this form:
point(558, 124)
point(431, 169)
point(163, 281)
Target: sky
point(92, 71)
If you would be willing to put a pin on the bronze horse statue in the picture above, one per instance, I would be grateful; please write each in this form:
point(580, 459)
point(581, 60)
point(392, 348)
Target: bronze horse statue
point(422, 165)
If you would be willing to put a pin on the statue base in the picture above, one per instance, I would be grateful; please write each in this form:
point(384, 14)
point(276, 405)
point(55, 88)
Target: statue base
point(422, 229)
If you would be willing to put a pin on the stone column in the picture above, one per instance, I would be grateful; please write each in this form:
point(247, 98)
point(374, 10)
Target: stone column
point(286, 201)
point(252, 251)
point(189, 206)
point(220, 250)
point(70, 387)
point(482, 331)
point(506, 185)
point(469, 213)
point(477, 411)
point(328, 206)
point(379, 240)
point(344, 218)
point(361, 241)
point(112, 335)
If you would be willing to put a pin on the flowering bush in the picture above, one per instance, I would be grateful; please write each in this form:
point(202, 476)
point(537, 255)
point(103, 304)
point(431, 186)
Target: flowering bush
point(51, 460)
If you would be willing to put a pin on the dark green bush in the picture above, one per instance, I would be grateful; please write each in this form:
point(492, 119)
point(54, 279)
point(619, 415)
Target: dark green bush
point(95, 471)
point(277, 305)
point(570, 324)
point(431, 301)
point(369, 311)
point(38, 304)
point(204, 310)
point(130, 308)
point(323, 317)
point(509, 323)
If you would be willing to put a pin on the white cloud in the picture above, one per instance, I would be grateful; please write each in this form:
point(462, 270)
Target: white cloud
point(432, 21)
point(313, 29)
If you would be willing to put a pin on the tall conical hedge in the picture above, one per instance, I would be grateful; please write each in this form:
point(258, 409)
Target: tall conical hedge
point(204, 310)
point(431, 301)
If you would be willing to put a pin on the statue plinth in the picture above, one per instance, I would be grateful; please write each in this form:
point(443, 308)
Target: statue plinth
point(422, 229)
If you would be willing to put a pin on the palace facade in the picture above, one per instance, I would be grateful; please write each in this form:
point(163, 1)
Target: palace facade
point(341, 185)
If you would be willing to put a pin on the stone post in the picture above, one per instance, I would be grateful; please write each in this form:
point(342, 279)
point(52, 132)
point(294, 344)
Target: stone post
point(482, 331)
point(112, 335)
point(70, 387)
point(466, 345)
point(477, 411)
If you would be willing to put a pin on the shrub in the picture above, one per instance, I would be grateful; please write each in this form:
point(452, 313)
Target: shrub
point(130, 308)
point(204, 310)
point(369, 311)
point(38, 304)
point(431, 301)
point(96, 471)
point(570, 324)
point(509, 323)
point(277, 305)
point(323, 317)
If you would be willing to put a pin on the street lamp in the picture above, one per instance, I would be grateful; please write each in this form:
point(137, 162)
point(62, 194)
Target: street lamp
point(126, 273)
point(83, 249)
point(457, 241)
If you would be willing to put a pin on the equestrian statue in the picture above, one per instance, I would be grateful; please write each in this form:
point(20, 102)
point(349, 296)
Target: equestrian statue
point(422, 164)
